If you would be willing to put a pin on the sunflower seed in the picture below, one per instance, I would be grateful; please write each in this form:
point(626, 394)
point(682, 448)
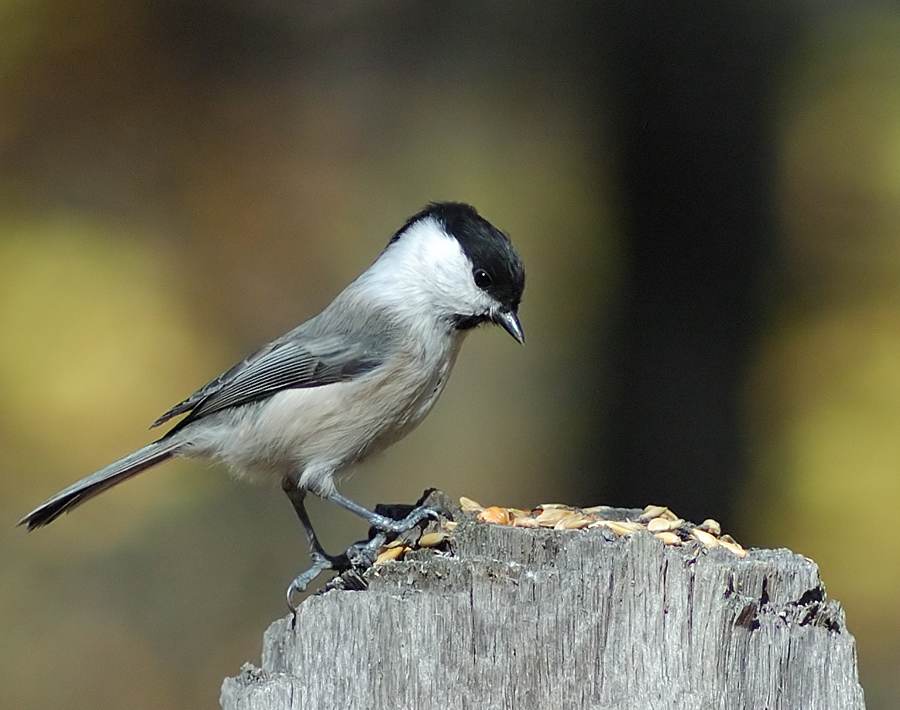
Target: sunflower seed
point(652, 511)
point(391, 553)
point(496, 515)
point(432, 539)
point(668, 537)
point(576, 521)
point(469, 505)
point(664, 525)
point(704, 537)
point(711, 526)
point(549, 517)
point(623, 528)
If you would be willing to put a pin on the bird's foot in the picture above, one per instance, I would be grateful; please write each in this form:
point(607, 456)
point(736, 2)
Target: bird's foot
point(392, 525)
point(387, 523)
point(320, 563)
point(358, 557)
point(362, 554)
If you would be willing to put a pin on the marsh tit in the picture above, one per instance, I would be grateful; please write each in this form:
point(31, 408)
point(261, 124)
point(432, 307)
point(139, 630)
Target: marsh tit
point(347, 383)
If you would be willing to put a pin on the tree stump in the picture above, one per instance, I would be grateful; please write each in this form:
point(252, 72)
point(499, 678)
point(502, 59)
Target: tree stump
point(536, 618)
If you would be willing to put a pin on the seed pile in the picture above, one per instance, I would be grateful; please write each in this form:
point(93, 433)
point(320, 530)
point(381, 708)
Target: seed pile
point(655, 519)
point(398, 548)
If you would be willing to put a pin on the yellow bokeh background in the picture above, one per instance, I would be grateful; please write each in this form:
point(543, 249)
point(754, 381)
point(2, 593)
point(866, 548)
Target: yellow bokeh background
point(172, 196)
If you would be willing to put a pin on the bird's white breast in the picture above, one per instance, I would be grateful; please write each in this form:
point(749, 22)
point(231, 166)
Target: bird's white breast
point(312, 433)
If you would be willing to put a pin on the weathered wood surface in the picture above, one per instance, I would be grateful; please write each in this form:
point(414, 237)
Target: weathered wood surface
point(524, 618)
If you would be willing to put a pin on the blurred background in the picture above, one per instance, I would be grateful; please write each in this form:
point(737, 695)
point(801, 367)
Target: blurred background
point(707, 198)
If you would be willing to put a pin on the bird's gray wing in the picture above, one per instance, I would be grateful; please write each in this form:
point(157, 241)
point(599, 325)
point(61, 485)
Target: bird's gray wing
point(285, 364)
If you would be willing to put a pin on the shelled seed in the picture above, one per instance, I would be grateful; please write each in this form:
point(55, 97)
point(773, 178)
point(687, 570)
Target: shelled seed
point(664, 525)
point(469, 505)
point(704, 537)
point(576, 521)
point(668, 537)
point(391, 553)
point(549, 517)
point(711, 526)
point(495, 514)
point(432, 539)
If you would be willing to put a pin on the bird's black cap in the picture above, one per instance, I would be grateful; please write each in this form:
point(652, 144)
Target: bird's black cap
point(486, 246)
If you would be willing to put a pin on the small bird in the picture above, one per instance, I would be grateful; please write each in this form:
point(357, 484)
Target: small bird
point(349, 382)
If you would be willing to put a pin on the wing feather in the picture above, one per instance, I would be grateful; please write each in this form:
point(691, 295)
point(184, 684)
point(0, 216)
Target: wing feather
point(286, 364)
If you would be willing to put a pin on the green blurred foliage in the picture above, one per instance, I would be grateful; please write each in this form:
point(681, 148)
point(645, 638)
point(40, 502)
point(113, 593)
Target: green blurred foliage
point(180, 182)
point(824, 403)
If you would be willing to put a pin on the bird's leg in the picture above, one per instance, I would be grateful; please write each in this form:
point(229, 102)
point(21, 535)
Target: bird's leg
point(321, 560)
point(297, 497)
point(359, 555)
point(382, 522)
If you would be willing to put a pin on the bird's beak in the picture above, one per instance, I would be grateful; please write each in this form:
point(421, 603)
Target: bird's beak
point(510, 322)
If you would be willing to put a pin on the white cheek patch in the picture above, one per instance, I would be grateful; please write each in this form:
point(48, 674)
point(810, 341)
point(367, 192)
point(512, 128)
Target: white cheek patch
point(426, 268)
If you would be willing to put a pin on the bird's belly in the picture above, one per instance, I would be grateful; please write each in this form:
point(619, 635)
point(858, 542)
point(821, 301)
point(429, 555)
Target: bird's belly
point(330, 427)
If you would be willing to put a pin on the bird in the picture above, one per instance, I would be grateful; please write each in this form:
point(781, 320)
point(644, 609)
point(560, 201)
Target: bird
point(347, 383)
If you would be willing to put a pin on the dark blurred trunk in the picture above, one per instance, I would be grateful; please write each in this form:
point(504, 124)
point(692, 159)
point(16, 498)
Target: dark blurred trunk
point(691, 90)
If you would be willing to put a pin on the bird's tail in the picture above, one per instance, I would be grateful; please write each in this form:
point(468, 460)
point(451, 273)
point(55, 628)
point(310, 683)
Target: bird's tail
point(107, 477)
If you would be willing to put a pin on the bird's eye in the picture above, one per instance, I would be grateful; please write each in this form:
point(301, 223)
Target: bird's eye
point(482, 278)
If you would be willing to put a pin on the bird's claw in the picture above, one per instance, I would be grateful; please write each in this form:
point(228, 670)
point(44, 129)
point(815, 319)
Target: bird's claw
point(362, 554)
point(321, 563)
